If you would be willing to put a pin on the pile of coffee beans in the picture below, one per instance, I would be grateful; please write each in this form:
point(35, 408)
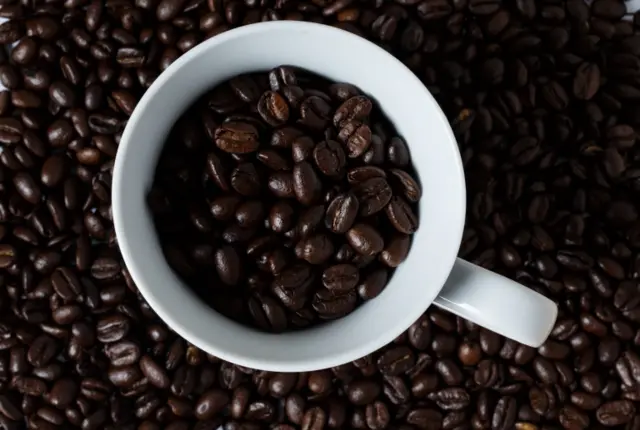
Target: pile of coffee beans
point(276, 202)
point(544, 98)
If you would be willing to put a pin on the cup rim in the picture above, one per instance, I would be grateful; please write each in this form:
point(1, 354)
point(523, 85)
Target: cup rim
point(459, 195)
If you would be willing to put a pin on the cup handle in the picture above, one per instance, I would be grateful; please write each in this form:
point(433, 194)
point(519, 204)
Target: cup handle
point(498, 304)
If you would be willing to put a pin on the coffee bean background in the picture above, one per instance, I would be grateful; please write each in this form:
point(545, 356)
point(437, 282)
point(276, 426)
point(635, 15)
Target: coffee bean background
point(268, 234)
point(543, 97)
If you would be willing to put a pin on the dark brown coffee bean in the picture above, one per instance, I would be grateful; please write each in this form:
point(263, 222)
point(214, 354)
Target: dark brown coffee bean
point(267, 313)
point(398, 153)
point(53, 170)
point(329, 157)
point(356, 136)
point(361, 174)
point(124, 377)
point(363, 392)
point(373, 284)
point(365, 240)
point(9, 409)
point(330, 305)
point(342, 213)
point(615, 413)
point(396, 361)
point(396, 250)
point(227, 263)
point(273, 160)
point(355, 108)
point(401, 215)
point(302, 148)
point(405, 184)
point(245, 179)
point(316, 249)
point(27, 187)
point(42, 351)
point(306, 184)
point(373, 195)
point(62, 393)
point(340, 277)
point(315, 113)
point(273, 108)
point(237, 137)
point(154, 373)
point(112, 328)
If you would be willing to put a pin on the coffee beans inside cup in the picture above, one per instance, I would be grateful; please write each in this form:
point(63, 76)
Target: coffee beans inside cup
point(285, 200)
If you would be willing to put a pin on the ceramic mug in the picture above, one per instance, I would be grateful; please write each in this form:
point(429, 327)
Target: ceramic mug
point(430, 275)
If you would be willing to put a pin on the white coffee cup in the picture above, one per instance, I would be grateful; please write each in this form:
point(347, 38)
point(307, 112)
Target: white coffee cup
point(430, 275)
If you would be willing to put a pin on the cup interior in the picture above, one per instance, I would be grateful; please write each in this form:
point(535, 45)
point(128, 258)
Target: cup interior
point(339, 56)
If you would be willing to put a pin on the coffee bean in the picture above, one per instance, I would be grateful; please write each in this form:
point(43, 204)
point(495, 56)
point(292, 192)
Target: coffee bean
point(227, 265)
point(373, 194)
point(315, 113)
point(365, 240)
point(245, 180)
point(9, 409)
point(329, 157)
point(124, 377)
point(27, 187)
point(316, 249)
point(401, 215)
point(396, 361)
point(237, 137)
point(405, 184)
point(615, 413)
point(396, 250)
point(273, 108)
point(306, 184)
point(154, 373)
point(267, 313)
point(363, 392)
point(282, 184)
point(356, 136)
point(41, 351)
point(355, 108)
point(112, 328)
point(342, 213)
point(341, 277)
point(398, 153)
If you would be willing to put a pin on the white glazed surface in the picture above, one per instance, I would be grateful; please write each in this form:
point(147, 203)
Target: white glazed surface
point(340, 56)
point(497, 303)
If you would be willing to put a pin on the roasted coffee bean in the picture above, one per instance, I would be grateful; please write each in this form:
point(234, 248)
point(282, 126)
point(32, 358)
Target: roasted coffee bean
point(42, 350)
point(112, 328)
point(341, 277)
point(245, 180)
point(405, 184)
point(363, 392)
point(237, 137)
point(267, 313)
point(273, 108)
point(331, 305)
point(396, 250)
point(396, 361)
point(373, 195)
point(316, 249)
point(342, 213)
point(227, 264)
point(401, 215)
point(365, 239)
point(361, 174)
point(329, 157)
point(306, 184)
